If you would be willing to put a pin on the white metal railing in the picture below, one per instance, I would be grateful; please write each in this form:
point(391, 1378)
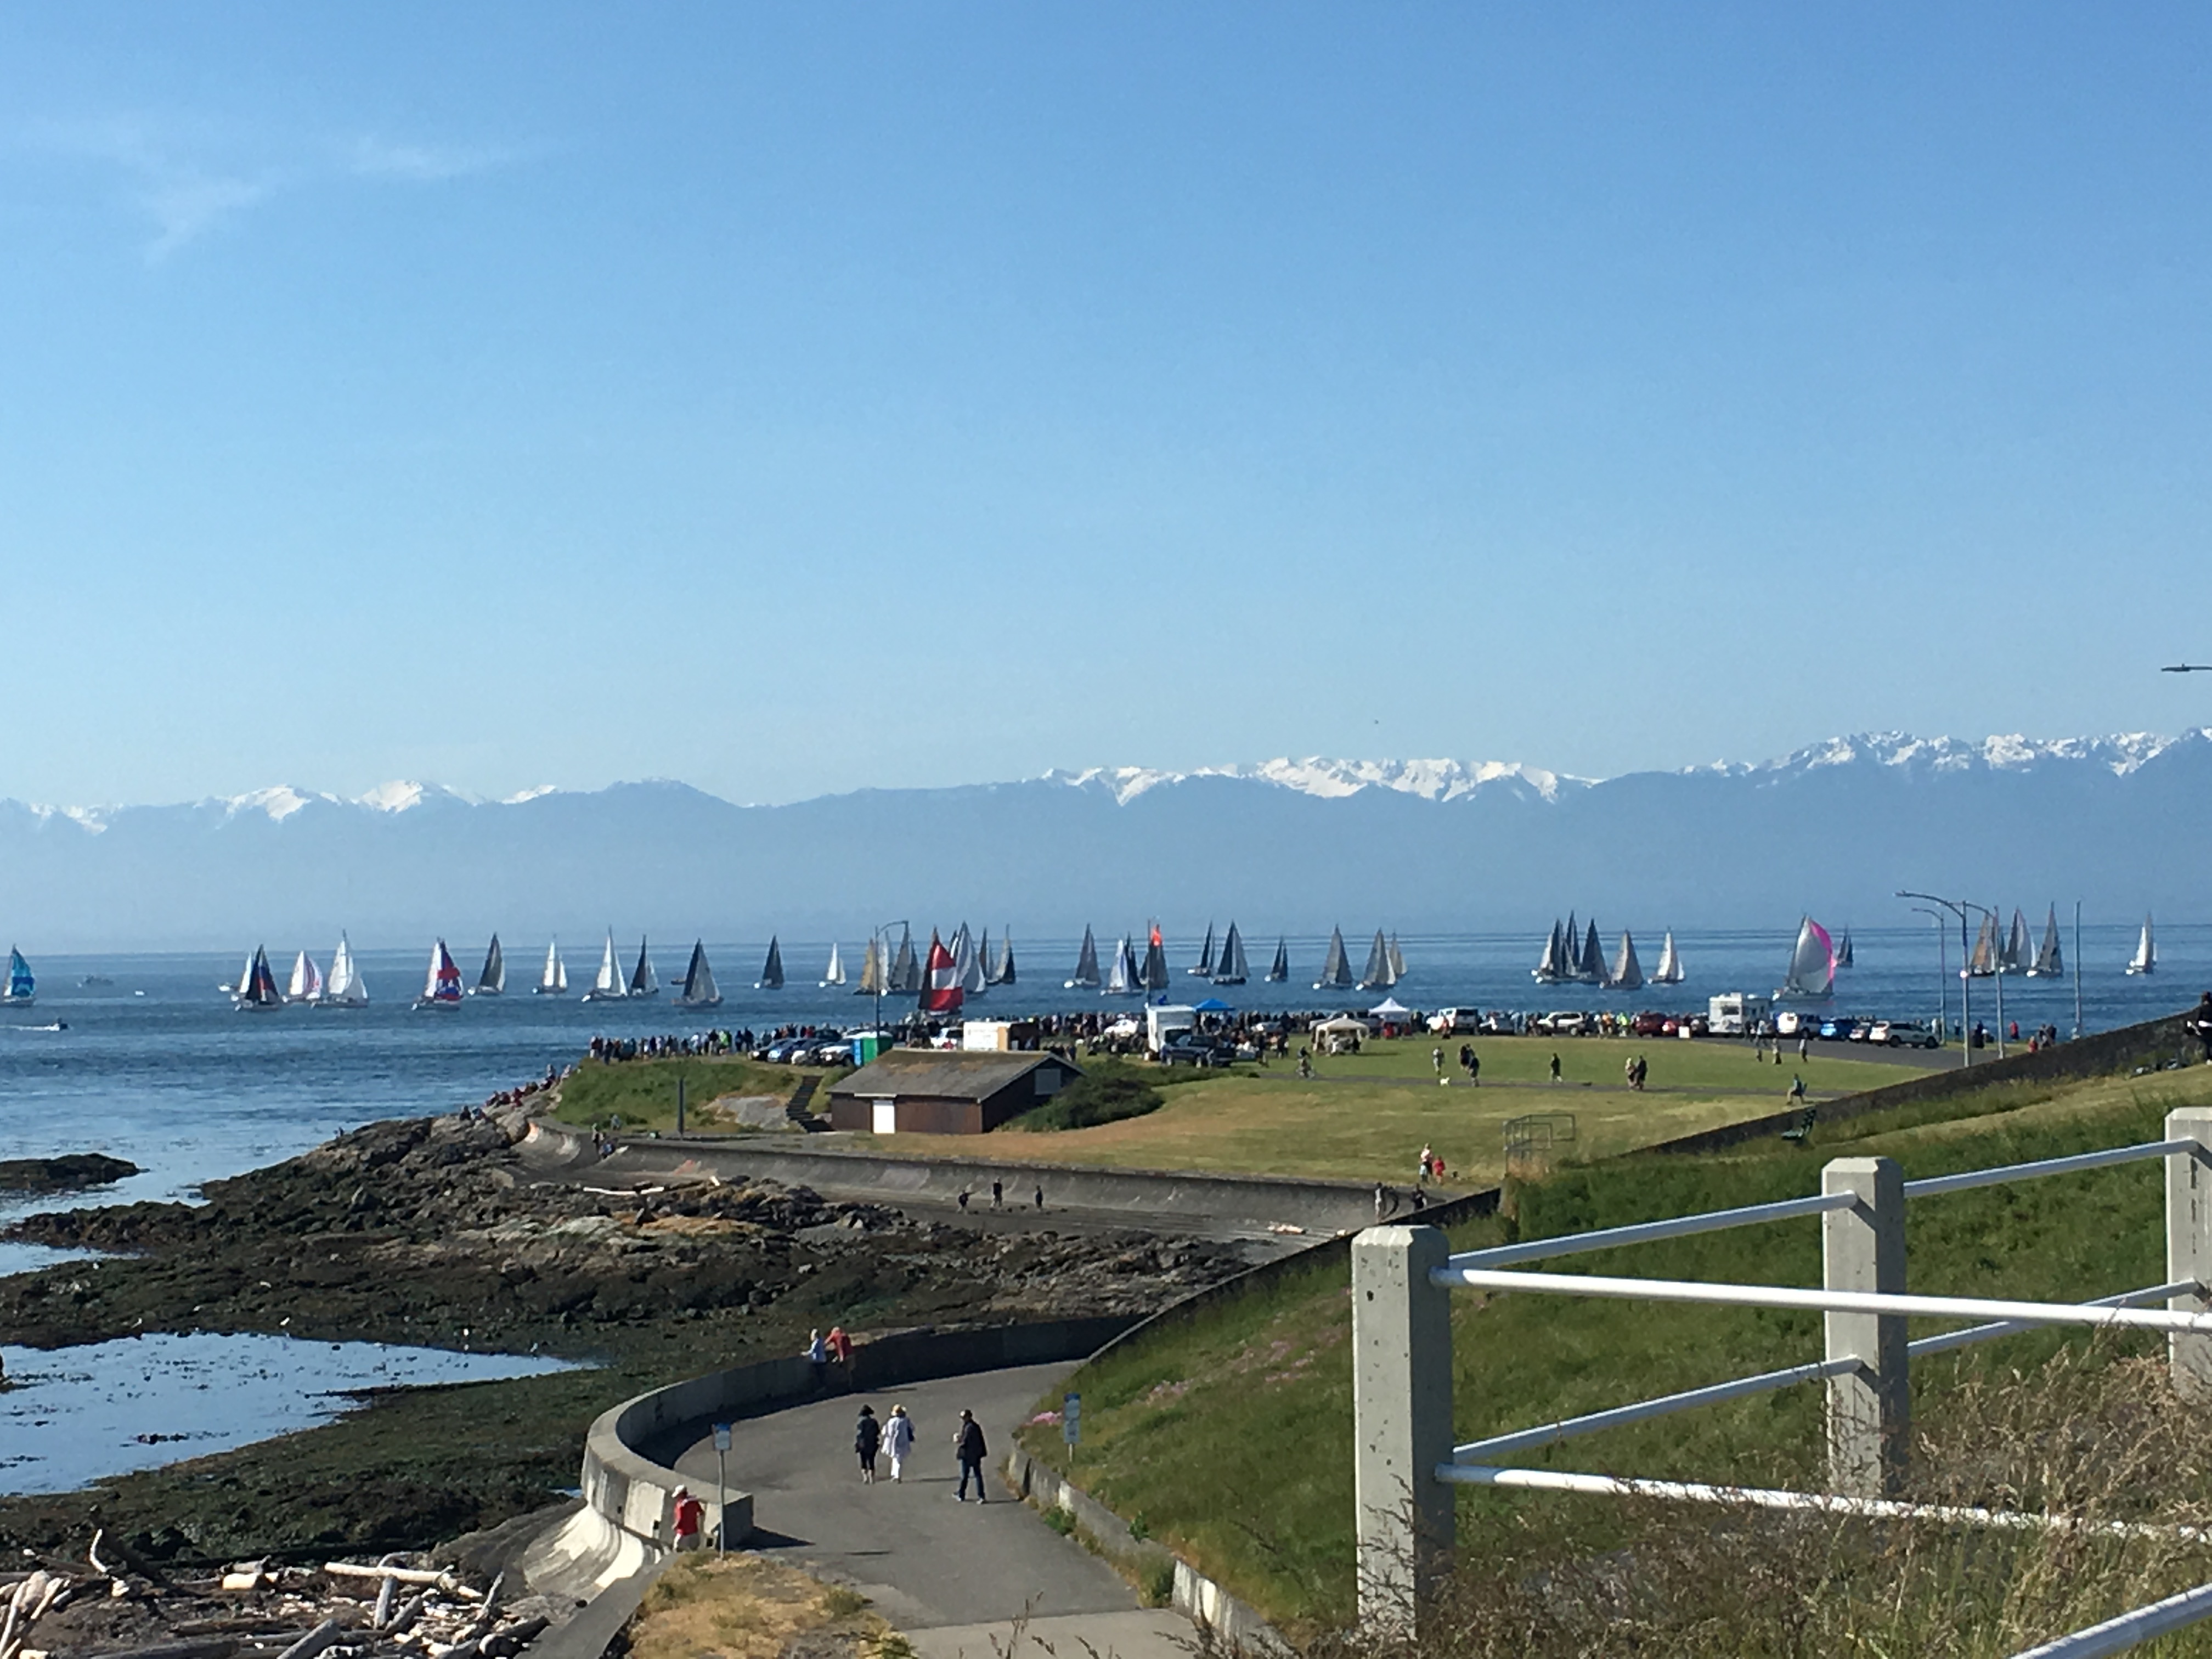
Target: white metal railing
point(2116, 1635)
point(1402, 1333)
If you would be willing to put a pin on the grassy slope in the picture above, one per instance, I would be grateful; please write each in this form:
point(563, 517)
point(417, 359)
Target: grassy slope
point(643, 1091)
point(1232, 1439)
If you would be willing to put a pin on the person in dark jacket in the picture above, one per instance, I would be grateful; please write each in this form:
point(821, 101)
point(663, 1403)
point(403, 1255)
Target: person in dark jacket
point(968, 1446)
point(2200, 1025)
point(867, 1435)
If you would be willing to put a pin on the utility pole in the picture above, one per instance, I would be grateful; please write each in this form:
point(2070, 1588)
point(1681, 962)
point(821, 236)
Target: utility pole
point(2077, 968)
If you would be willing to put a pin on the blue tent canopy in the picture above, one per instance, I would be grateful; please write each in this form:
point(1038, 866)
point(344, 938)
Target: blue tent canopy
point(1213, 1006)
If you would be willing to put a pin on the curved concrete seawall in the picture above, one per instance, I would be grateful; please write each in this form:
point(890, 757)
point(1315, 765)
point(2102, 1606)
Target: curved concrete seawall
point(630, 1494)
point(1249, 1202)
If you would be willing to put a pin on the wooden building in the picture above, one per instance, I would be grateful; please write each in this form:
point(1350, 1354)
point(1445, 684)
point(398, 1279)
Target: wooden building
point(937, 1092)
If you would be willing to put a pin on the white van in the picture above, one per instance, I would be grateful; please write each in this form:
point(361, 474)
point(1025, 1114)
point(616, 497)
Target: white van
point(1732, 1014)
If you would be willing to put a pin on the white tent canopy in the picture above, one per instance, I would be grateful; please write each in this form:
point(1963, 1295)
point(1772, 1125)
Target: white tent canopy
point(1388, 1008)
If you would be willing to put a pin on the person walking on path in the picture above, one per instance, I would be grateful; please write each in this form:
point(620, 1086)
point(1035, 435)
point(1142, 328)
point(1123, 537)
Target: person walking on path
point(867, 1435)
point(841, 1350)
point(898, 1441)
point(1804, 1048)
point(963, 1201)
point(1797, 1091)
point(1437, 1059)
point(690, 1514)
point(1473, 1064)
point(1040, 1198)
point(817, 1355)
point(1428, 1157)
point(1555, 1068)
point(998, 1195)
point(968, 1446)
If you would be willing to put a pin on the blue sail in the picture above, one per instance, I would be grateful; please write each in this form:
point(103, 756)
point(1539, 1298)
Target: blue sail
point(21, 986)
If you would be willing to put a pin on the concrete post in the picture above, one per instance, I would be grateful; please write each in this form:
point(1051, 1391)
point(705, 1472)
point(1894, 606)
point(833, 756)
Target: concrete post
point(1401, 1384)
point(1863, 1249)
point(2189, 1245)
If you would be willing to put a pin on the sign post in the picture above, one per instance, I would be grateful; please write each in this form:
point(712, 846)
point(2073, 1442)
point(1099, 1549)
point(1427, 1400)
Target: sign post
point(721, 1489)
point(1071, 1419)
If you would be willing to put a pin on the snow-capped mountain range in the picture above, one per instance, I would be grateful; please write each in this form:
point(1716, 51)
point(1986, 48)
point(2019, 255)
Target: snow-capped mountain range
point(1412, 843)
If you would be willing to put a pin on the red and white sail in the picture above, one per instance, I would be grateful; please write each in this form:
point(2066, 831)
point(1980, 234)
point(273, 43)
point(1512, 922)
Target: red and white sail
point(940, 991)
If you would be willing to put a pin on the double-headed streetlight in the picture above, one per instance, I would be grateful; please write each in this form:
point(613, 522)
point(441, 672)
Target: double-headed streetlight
point(1959, 909)
point(881, 964)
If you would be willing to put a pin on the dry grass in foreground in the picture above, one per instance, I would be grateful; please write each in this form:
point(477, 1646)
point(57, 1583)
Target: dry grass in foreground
point(741, 1606)
point(2107, 1444)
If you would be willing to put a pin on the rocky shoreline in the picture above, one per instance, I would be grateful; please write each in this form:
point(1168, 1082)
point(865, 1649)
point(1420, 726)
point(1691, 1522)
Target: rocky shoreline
point(441, 1232)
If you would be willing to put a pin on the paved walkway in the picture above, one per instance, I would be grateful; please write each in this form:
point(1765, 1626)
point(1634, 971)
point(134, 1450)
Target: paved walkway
point(955, 1577)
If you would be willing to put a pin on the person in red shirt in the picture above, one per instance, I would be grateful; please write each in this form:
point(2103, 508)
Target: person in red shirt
point(690, 1519)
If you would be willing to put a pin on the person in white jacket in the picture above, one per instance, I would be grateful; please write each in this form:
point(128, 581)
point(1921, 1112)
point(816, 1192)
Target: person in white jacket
point(898, 1439)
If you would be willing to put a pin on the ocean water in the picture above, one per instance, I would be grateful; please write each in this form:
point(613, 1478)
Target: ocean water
point(155, 1066)
point(82, 1414)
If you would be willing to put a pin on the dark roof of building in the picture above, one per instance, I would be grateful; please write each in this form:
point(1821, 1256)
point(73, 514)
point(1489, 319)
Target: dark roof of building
point(946, 1072)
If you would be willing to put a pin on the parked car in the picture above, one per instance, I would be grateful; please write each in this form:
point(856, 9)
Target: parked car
point(1837, 1028)
point(1902, 1034)
point(1565, 1022)
point(1790, 1022)
point(1500, 1024)
point(1450, 1022)
point(1651, 1024)
point(1186, 1048)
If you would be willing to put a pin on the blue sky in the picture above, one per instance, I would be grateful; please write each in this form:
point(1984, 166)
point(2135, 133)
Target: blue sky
point(793, 400)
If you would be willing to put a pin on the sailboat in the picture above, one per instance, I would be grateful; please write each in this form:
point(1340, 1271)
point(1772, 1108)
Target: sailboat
point(1627, 972)
point(943, 994)
point(608, 986)
point(1573, 956)
point(1397, 961)
point(2145, 960)
point(1232, 969)
point(2049, 961)
point(492, 982)
point(1844, 950)
point(1982, 961)
point(1554, 966)
point(1205, 968)
point(22, 989)
point(906, 968)
point(2018, 955)
point(442, 985)
point(1125, 980)
point(257, 987)
point(699, 990)
point(875, 976)
point(1336, 967)
point(1086, 977)
point(771, 977)
point(1670, 963)
point(553, 981)
point(1812, 965)
point(967, 964)
point(1590, 966)
point(307, 984)
point(1280, 970)
point(643, 981)
point(345, 988)
point(1378, 976)
point(1003, 974)
point(1156, 961)
point(834, 973)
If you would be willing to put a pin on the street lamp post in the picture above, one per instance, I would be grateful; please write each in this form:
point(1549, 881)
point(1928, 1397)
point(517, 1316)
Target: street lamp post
point(882, 969)
point(1942, 970)
point(1965, 984)
point(1999, 975)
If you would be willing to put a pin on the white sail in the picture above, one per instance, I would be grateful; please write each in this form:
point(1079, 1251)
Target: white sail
point(834, 973)
point(1552, 967)
point(608, 986)
point(1627, 973)
point(307, 984)
point(1336, 968)
point(2145, 960)
point(1123, 981)
point(967, 964)
point(1981, 962)
point(1670, 963)
point(1397, 961)
point(345, 987)
point(2018, 955)
point(1811, 964)
point(554, 979)
point(1378, 976)
point(1003, 971)
point(874, 972)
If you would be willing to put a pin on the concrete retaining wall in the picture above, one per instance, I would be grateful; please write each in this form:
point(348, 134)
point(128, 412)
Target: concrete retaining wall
point(629, 1494)
point(1252, 1201)
point(2151, 1043)
point(1197, 1597)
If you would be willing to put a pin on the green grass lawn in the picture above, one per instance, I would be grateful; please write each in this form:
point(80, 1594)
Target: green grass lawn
point(642, 1092)
point(1231, 1437)
point(1365, 1117)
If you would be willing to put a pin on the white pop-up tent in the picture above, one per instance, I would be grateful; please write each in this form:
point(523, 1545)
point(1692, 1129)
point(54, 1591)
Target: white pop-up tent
point(1389, 1008)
